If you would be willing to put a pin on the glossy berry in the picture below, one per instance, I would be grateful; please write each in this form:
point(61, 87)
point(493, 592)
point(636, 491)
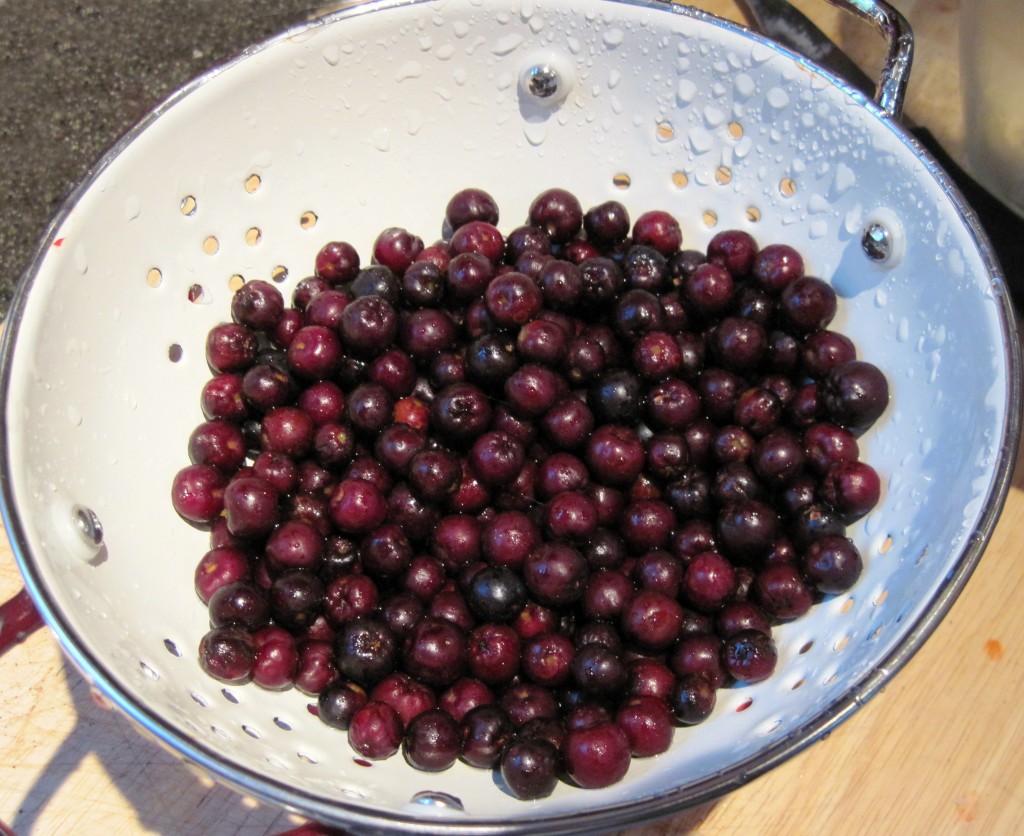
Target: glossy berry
point(251, 506)
point(807, 304)
point(530, 768)
point(227, 653)
point(832, 564)
point(396, 248)
point(432, 742)
point(375, 731)
point(486, 731)
point(659, 230)
point(557, 212)
point(607, 223)
point(692, 699)
point(357, 506)
point(337, 262)
point(470, 205)
point(338, 702)
point(231, 347)
point(197, 492)
point(435, 652)
point(528, 499)
point(749, 656)
point(647, 722)
point(496, 594)
point(597, 756)
point(240, 604)
point(856, 394)
point(652, 619)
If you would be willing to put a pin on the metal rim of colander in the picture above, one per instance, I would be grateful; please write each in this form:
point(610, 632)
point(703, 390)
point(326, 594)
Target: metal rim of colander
point(673, 799)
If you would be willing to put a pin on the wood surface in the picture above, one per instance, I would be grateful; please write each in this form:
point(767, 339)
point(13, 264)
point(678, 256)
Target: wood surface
point(938, 751)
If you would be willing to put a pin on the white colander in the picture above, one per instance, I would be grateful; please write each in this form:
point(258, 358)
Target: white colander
point(374, 117)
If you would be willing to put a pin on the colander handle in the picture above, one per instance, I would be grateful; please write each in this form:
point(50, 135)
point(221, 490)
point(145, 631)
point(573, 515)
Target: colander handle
point(892, 86)
point(18, 618)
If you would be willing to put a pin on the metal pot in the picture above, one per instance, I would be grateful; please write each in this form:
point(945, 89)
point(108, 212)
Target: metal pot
point(374, 116)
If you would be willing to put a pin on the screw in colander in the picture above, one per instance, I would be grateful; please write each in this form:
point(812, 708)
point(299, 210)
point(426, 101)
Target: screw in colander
point(543, 81)
point(876, 240)
point(88, 525)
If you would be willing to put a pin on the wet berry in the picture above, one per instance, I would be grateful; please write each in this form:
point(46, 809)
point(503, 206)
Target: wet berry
point(530, 768)
point(597, 756)
point(375, 731)
point(526, 499)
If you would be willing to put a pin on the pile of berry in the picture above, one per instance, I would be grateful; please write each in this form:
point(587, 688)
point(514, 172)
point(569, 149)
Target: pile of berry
point(527, 500)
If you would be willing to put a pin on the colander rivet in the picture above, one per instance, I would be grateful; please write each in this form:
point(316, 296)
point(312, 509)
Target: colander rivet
point(877, 241)
point(542, 81)
point(441, 800)
point(88, 525)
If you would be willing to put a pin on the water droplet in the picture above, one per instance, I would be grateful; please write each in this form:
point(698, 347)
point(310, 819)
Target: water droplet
point(410, 69)
point(853, 221)
point(817, 203)
point(413, 121)
point(743, 147)
point(382, 139)
point(818, 229)
point(74, 416)
point(535, 132)
point(425, 43)
point(507, 44)
point(701, 140)
point(132, 208)
point(743, 85)
point(686, 91)
point(956, 263)
point(444, 52)
point(461, 28)
point(614, 77)
point(881, 298)
point(777, 98)
point(81, 261)
point(260, 160)
point(331, 54)
point(844, 179)
point(613, 37)
point(713, 116)
point(903, 330)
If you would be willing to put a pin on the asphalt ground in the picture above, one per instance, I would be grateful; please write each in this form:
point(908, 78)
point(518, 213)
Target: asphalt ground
point(74, 76)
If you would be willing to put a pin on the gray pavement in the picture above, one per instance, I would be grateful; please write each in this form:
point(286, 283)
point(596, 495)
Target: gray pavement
point(74, 76)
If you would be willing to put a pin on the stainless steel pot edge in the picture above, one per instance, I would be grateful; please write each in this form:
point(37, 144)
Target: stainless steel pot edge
point(674, 799)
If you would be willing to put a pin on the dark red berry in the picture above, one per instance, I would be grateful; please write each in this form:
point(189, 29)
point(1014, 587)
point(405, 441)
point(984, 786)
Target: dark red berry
point(375, 731)
point(597, 756)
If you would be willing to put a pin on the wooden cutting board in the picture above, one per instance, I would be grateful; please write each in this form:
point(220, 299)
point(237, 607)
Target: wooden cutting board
point(936, 752)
